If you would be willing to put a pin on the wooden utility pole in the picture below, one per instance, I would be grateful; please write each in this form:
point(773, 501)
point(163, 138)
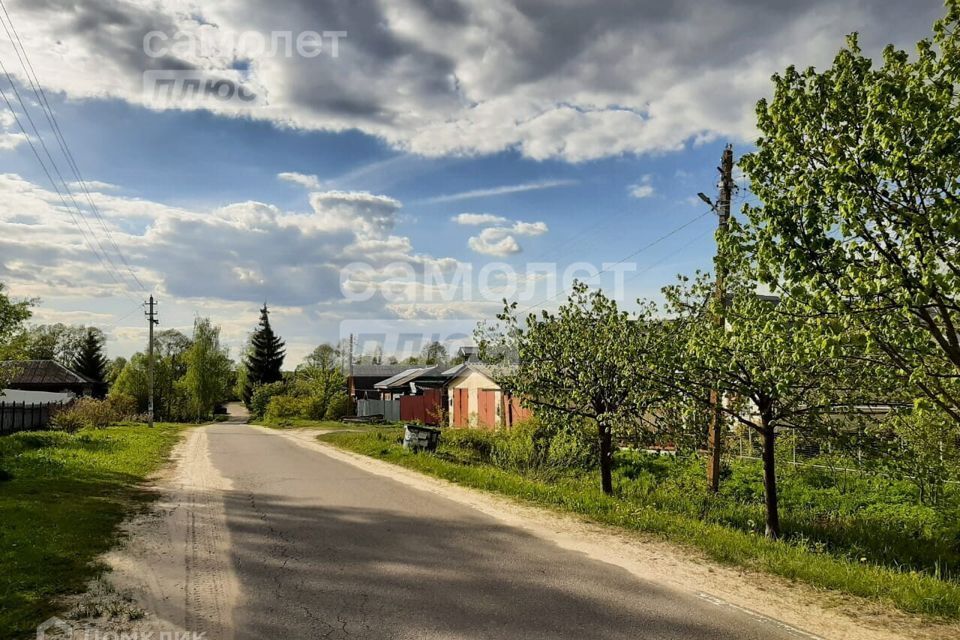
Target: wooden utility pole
point(151, 321)
point(715, 433)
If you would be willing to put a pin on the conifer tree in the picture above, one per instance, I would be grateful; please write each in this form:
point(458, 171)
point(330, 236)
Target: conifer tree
point(265, 359)
point(90, 360)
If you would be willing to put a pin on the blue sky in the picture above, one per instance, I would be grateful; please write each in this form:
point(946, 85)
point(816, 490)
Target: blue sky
point(579, 135)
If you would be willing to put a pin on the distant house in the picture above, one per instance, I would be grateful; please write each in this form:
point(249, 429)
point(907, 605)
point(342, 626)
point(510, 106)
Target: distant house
point(47, 376)
point(475, 399)
point(363, 377)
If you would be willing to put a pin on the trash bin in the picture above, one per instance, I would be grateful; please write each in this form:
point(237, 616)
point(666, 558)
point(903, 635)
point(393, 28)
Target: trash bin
point(418, 437)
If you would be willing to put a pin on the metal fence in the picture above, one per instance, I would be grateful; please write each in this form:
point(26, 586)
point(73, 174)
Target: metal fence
point(389, 409)
point(23, 416)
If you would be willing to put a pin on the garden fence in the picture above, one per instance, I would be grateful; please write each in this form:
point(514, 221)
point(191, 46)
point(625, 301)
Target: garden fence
point(23, 416)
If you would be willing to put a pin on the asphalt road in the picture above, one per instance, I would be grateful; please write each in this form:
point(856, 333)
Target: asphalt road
point(322, 548)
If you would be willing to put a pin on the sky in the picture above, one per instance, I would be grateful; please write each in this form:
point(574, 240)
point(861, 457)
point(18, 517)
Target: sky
point(379, 167)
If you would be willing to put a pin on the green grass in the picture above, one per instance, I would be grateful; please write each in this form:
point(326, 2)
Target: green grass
point(909, 591)
point(62, 499)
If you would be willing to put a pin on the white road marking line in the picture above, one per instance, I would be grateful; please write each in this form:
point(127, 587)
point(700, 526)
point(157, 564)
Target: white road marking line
point(759, 617)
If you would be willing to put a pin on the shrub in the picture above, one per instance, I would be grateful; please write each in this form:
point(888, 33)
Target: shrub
point(124, 406)
point(85, 413)
point(283, 406)
point(262, 394)
point(339, 406)
point(478, 442)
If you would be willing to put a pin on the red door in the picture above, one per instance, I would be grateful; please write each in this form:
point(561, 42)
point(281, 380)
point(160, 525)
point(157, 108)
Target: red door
point(461, 404)
point(488, 407)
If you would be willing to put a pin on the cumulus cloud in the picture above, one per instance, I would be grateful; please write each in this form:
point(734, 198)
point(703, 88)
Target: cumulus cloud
point(563, 80)
point(240, 252)
point(643, 189)
point(499, 240)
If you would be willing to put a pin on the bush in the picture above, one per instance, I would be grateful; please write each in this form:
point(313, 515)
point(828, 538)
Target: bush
point(85, 413)
point(340, 405)
point(124, 406)
point(283, 406)
point(478, 442)
point(262, 393)
point(536, 445)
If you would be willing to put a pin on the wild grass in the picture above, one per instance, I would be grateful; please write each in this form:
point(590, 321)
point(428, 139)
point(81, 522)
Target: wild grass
point(720, 530)
point(62, 499)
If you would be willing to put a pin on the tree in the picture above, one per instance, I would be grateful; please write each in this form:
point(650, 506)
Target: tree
point(776, 367)
point(90, 360)
point(320, 378)
point(265, 359)
point(13, 314)
point(433, 354)
point(585, 361)
point(208, 373)
point(857, 174)
point(59, 342)
point(170, 347)
point(114, 368)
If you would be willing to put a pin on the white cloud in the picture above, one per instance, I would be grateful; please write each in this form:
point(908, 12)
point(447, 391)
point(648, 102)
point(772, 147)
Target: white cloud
point(499, 240)
point(302, 179)
point(494, 242)
point(478, 219)
point(643, 189)
point(563, 80)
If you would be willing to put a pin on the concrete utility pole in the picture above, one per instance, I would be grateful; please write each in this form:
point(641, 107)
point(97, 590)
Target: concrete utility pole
point(715, 433)
point(151, 320)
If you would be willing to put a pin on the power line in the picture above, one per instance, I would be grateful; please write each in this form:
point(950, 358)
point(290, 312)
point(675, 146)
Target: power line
point(41, 96)
point(647, 246)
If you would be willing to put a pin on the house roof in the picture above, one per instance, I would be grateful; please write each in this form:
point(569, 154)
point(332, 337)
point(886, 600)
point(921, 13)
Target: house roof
point(406, 377)
point(399, 379)
point(45, 372)
point(381, 370)
point(466, 367)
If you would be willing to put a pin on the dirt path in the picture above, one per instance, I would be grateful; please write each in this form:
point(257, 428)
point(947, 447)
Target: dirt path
point(174, 568)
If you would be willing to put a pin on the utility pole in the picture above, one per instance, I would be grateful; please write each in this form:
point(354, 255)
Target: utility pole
point(715, 433)
point(151, 321)
point(351, 356)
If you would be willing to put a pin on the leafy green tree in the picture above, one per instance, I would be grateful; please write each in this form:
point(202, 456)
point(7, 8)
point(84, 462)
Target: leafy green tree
point(13, 314)
point(777, 368)
point(264, 362)
point(857, 172)
point(586, 361)
point(132, 381)
point(320, 378)
point(59, 342)
point(208, 373)
point(90, 361)
point(114, 368)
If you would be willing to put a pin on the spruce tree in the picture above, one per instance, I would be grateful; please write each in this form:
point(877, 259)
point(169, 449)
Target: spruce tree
point(90, 360)
point(265, 359)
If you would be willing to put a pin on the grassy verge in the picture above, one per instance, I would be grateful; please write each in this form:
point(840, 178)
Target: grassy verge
point(909, 591)
point(62, 498)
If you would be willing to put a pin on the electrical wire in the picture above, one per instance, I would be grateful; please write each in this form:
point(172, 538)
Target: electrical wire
point(40, 94)
point(607, 269)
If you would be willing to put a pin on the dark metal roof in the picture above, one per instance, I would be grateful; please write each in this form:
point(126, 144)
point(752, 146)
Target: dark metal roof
point(374, 370)
point(46, 372)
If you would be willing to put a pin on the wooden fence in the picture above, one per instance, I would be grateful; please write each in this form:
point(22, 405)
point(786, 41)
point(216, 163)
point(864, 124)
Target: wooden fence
point(23, 416)
point(389, 409)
